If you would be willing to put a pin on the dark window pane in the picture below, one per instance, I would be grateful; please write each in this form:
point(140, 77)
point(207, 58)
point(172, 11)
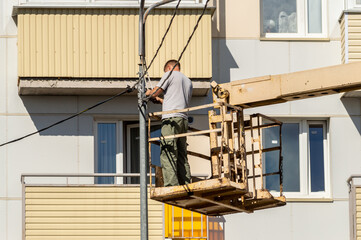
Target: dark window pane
point(279, 16)
point(134, 151)
point(106, 146)
point(290, 153)
point(316, 158)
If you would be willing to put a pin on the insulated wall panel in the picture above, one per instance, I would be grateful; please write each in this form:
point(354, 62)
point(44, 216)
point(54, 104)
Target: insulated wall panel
point(103, 43)
point(94, 212)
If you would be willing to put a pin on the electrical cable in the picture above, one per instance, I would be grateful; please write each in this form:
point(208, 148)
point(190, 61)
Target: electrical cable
point(127, 90)
point(146, 99)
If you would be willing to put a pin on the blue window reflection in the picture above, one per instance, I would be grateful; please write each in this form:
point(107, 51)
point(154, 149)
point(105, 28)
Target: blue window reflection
point(317, 158)
point(107, 150)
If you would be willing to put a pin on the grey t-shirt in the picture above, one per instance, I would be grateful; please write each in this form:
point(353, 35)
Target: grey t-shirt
point(177, 93)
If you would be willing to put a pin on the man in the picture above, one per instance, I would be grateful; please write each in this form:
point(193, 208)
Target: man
point(177, 90)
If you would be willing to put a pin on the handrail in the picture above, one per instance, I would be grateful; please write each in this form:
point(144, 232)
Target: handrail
point(25, 175)
point(349, 180)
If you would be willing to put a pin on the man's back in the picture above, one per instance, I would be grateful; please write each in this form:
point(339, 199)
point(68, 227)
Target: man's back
point(177, 93)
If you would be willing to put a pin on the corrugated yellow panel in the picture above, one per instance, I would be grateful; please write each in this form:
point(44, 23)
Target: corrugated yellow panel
point(94, 212)
point(185, 224)
point(354, 16)
point(103, 43)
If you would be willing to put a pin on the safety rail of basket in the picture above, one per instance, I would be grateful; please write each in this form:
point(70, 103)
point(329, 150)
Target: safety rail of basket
point(229, 156)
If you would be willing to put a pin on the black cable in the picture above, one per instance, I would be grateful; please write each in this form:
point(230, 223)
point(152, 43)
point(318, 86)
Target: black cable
point(181, 55)
point(127, 90)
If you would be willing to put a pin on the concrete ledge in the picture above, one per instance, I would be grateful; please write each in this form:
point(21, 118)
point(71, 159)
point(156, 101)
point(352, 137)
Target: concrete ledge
point(51, 86)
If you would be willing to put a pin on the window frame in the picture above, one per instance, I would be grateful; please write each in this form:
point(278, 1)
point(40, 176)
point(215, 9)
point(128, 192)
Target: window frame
point(302, 24)
point(119, 159)
point(349, 4)
point(304, 160)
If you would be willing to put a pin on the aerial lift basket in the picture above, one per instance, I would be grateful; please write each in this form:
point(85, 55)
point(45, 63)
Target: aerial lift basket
point(237, 182)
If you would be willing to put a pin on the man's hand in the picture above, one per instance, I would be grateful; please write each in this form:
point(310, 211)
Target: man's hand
point(156, 100)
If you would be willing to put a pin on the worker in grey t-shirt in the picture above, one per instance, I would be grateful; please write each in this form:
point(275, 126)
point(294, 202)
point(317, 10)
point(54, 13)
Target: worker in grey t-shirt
point(177, 90)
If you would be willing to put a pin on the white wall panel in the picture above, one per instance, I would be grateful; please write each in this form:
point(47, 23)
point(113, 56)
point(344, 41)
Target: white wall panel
point(251, 58)
point(309, 55)
point(345, 134)
point(334, 10)
point(3, 69)
point(54, 151)
point(10, 26)
point(3, 11)
point(14, 219)
point(266, 224)
point(314, 221)
point(325, 106)
point(3, 158)
point(86, 144)
point(3, 220)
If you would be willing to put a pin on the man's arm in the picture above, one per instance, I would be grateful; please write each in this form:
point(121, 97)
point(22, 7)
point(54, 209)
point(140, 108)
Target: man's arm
point(155, 92)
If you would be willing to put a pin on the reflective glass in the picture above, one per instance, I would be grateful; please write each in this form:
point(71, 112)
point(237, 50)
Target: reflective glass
point(314, 12)
point(279, 16)
point(290, 153)
point(107, 150)
point(134, 151)
point(317, 158)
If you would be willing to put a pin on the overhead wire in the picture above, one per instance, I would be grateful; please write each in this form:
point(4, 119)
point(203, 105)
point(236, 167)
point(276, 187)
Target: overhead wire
point(181, 55)
point(128, 89)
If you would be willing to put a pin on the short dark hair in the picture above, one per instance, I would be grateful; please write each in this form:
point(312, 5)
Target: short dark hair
point(171, 62)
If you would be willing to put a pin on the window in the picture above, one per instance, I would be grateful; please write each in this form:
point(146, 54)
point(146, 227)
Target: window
point(110, 149)
point(133, 150)
point(305, 161)
point(293, 18)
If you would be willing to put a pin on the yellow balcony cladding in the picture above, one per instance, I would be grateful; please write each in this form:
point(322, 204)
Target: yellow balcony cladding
point(87, 212)
point(85, 45)
point(350, 22)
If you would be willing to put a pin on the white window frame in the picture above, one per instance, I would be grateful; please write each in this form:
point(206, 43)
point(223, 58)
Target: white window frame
point(302, 24)
point(304, 161)
point(349, 4)
point(120, 147)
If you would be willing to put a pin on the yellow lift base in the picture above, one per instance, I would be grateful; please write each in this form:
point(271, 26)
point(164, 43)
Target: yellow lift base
point(216, 197)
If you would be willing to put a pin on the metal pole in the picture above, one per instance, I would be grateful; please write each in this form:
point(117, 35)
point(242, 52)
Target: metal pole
point(142, 131)
point(142, 107)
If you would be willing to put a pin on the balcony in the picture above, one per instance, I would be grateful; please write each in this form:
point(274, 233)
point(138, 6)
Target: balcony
point(71, 206)
point(94, 51)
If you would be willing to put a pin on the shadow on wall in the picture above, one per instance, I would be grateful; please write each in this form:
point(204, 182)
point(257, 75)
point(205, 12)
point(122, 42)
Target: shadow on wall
point(223, 60)
point(44, 111)
point(349, 105)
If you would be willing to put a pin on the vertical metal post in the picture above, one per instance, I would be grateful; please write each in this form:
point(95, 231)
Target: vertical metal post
point(142, 130)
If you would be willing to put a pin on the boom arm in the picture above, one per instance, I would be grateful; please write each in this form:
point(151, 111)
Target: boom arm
point(272, 89)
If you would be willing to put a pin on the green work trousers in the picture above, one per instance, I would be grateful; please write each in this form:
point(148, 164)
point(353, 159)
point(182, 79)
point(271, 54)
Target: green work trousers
point(173, 156)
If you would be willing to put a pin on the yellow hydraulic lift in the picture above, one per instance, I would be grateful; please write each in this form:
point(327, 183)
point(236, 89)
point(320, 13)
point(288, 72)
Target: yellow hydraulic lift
point(237, 181)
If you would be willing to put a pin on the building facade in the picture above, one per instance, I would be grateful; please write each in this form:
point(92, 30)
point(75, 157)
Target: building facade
point(57, 59)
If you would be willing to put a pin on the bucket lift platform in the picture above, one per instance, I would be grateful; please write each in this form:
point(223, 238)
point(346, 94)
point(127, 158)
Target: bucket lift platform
point(215, 197)
point(237, 180)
